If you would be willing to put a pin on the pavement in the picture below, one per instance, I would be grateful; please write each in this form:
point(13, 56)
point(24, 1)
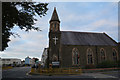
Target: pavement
point(23, 73)
point(112, 73)
point(99, 75)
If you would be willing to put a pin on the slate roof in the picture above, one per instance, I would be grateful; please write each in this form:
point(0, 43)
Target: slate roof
point(86, 38)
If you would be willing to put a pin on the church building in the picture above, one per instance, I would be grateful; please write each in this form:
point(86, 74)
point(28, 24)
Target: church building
point(70, 48)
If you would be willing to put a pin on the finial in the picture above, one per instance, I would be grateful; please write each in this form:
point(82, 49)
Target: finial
point(54, 8)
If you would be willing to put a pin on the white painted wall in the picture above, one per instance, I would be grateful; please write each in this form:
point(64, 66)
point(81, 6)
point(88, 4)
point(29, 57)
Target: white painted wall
point(11, 61)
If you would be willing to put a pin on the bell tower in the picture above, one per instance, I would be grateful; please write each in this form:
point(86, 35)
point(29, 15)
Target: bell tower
point(54, 39)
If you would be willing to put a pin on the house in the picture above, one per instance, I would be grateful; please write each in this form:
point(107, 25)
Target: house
point(11, 61)
point(44, 57)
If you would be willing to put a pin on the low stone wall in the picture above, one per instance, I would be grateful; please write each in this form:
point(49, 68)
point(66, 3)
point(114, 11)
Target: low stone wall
point(7, 67)
point(55, 71)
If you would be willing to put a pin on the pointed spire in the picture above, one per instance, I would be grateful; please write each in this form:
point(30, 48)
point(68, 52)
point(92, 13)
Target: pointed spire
point(54, 16)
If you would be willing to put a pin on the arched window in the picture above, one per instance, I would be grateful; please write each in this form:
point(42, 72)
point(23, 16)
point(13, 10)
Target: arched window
point(75, 56)
point(89, 56)
point(51, 27)
point(102, 55)
point(56, 27)
point(114, 53)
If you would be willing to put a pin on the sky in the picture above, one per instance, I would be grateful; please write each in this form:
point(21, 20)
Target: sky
point(74, 16)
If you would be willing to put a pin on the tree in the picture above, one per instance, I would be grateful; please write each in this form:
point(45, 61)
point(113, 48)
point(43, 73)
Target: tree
point(36, 59)
point(20, 14)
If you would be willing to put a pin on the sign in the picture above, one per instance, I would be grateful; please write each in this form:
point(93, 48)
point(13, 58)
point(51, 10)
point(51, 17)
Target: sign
point(55, 63)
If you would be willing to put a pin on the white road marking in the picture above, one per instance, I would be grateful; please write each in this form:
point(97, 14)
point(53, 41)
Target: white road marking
point(98, 75)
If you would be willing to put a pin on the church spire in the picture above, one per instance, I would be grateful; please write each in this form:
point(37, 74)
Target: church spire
point(54, 16)
point(54, 22)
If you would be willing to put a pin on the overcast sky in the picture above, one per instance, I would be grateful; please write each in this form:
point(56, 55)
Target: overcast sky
point(74, 16)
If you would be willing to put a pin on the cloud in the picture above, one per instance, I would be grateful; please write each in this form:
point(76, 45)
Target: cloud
point(102, 17)
point(100, 25)
point(30, 44)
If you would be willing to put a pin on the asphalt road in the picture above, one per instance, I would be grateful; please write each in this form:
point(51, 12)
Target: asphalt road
point(22, 73)
point(16, 72)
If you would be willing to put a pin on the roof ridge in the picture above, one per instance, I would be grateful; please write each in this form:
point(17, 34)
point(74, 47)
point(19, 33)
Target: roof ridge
point(84, 32)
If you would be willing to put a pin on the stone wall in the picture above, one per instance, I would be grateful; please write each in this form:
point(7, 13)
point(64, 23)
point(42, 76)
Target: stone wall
point(66, 54)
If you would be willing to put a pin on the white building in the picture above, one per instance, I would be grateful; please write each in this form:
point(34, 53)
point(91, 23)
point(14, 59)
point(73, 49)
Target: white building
point(44, 57)
point(7, 61)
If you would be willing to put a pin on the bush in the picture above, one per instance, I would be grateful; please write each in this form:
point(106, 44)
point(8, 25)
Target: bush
point(107, 64)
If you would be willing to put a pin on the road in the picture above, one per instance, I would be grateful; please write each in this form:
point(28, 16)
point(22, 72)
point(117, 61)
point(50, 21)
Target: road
point(112, 73)
point(16, 72)
point(22, 73)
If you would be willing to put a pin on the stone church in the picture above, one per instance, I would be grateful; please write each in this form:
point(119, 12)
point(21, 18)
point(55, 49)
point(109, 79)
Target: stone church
point(70, 48)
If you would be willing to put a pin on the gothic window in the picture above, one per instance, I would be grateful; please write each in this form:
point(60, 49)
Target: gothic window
point(58, 27)
point(75, 56)
point(114, 53)
point(89, 56)
point(51, 27)
point(102, 55)
point(55, 27)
